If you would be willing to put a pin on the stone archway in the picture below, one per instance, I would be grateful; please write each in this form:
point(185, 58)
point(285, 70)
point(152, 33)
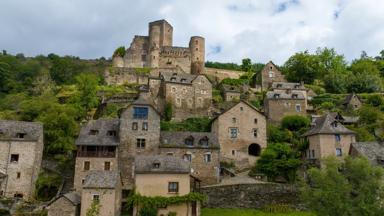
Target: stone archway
point(254, 149)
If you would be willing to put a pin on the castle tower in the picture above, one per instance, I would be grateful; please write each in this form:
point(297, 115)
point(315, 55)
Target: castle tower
point(160, 34)
point(197, 47)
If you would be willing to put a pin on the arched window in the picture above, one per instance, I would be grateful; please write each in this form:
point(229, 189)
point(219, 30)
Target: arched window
point(203, 141)
point(254, 149)
point(189, 141)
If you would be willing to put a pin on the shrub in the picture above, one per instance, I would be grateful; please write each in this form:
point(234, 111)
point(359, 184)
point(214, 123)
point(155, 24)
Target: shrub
point(47, 185)
point(119, 52)
point(168, 112)
point(375, 100)
point(294, 122)
point(172, 214)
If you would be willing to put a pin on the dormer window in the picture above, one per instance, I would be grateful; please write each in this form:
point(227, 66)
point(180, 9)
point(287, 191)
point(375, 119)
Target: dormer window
point(183, 80)
point(111, 133)
point(174, 74)
point(204, 141)
point(173, 79)
point(21, 135)
point(334, 124)
point(276, 96)
point(189, 141)
point(294, 95)
point(297, 86)
point(156, 165)
point(93, 132)
point(279, 85)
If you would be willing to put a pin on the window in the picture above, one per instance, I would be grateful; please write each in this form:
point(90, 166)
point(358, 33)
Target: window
point(173, 89)
point(339, 152)
point(173, 187)
point(255, 120)
point(233, 152)
point(313, 153)
point(276, 96)
point(140, 112)
point(18, 175)
point(241, 108)
point(271, 74)
point(294, 95)
point(156, 165)
point(111, 133)
point(87, 165)
point(279, 85)
point(107, 165)
point(298, 108)
point(145, 126)
point(233, 120)
point(189, 141)
point(96, 197)
point(14, 158)
point(143, 57)
point(82, 181)
point(337, 138)
point(20, 135)
point(93, 132)
point(187, 157)
point(207, 157)
point(203, 141)
point(170, 153)
point(233, 132)
point(140, 143)
point(297, 86)
point(173, 79)
point(134, 125)
point(334, 124)
point(254, 132)
point(183, 80)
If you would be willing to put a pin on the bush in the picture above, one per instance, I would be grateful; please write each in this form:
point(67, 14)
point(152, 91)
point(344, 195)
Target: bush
point(4, 212)
point(375, 100)
point(47, 185)
point(168, 112)
point(119, 52)
point(295, 122)
point(277, 135)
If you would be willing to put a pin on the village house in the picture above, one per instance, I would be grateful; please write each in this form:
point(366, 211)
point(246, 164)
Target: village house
point(21, 150)
point(201, 149)
point(189, 95)
point(373, 151)
point(352, 101)
point(104, 188)
point(241, 131)
point(328, 137)
point(230, 93)
point(165, 176)
point(269, 74)
point(66, 204)
point(97, 147)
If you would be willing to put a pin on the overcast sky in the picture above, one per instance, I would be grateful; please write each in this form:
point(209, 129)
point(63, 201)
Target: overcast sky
point(234, 29)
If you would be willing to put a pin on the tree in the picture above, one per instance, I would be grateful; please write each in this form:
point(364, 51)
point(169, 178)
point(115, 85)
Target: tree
point(302, 67)
point(94, 209)
point(246, 65)
point(365, 78)
point(350, 187)
point(119, 52)
point(168, 112)
point(295, 122)
point(278, 160)
point(87, 84)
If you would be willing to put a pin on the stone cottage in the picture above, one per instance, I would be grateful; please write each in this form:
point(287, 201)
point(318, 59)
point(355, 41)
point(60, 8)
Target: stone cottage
point(21, 150)
point(66, 204)
point(328, 137)
point(352, 101)
point(373, 151)
point(230, 93)
point(189, 95)
point(269, 74)
point(200, 149)
point(165, 176)
point(104, 188)
point(242, 134)
point(97, 148)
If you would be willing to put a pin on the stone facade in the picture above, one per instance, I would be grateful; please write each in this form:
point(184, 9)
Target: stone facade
point(231, 93)
point(21, 149)
point(242, 134)
point(268, 75)
point(67, 204)
point(121, 76)
point(352, 101)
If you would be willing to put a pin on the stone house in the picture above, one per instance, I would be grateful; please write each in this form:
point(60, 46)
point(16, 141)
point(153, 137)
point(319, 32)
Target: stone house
point(97, 149)
point(21, 150)
point(373, 151)
point(328, 137)
point(165, 176)
point(279, 103)
point(231, 93)
point(352, 101)
point(67, 204)
point(242, 134)
point(269, 74)
point(200, 149)
point(189, 95)
point(103, 187)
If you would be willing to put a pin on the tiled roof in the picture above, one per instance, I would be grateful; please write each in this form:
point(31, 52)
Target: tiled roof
point(161, 164)
point(374, 151)
point(177, 139)
point(181, 78)
point(327, 124)
point(101, 179)
point(9, 130)
point(284, 94)
point(95, 132)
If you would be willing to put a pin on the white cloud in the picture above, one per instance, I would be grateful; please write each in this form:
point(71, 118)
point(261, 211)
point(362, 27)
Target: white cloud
point(234, 29)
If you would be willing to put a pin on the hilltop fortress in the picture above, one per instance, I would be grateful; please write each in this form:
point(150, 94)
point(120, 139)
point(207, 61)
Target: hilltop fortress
point(157, 51)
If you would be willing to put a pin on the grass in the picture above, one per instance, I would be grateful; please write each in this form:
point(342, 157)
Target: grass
point(247, 212)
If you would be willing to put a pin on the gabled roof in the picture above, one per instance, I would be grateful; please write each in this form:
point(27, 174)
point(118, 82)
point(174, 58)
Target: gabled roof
point(229, 88)
point(176, 139)
point(349, 97)
point(167, 164)
point(180, 78)
point(101, 138)
point(288, 85)
point(325, 125)
point(72, 197)
point(10, 129)
point(374, 151)
point(101, 179)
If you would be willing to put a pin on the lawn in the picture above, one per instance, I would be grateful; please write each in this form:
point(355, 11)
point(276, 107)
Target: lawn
point(247, 212)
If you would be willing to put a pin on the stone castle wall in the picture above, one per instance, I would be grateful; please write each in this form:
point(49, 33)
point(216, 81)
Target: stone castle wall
point(221, 74)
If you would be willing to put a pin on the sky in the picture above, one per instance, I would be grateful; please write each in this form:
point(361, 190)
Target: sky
point(262, 30)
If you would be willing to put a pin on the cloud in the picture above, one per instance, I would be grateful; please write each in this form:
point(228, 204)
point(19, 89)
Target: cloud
point(234, 29)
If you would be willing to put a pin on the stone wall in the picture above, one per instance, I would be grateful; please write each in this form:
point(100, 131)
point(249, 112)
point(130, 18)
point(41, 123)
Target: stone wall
point(276, 109)
point(221, 74)
point(175, 57)
point(63, 206)
point(250, 195)
point(120, 76)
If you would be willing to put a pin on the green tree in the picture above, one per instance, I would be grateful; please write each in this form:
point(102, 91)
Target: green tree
point(350, 187)
point(94, 209)
point(366, 77)
point(278, 160)
point(120, 52)
point(295, 123)
point(168, 112)
point(87, 84)
point(246, 65)
point(302, 67)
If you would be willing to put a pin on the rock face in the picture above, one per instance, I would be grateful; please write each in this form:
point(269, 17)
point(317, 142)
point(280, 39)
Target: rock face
point(250, 195)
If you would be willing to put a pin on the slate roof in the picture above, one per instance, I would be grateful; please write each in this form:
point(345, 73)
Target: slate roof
point(283, 94)
point(177, 139)
point(73, 197)
point(288, 85)
point(229, 88)
point(10, 129)
point(101, 179)
point(349, 97)
point(101, 138)
point(323, 125)
point(374, 151)
point(181, 78)
point(168, 164)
